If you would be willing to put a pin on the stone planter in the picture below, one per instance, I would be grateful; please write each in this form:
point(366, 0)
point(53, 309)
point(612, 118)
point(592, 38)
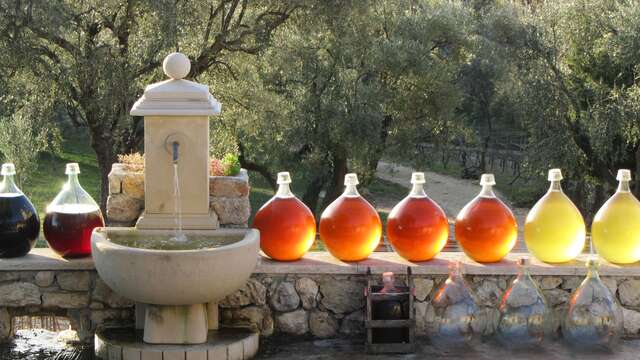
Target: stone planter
point(229, 197)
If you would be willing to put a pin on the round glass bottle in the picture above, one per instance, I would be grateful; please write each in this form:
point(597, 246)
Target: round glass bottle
point(417, 227)
point(71, 218)
point(594, 317)
point(486, 228)
point(525, 319)
point(456, 319)
point(554, 230)
point(616, 227)
point(350, 227)
point(19, 221)
point(287, 226)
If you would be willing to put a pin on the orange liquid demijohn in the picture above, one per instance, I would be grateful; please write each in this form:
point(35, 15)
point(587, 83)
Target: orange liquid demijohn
point(287, 228)
point(486, 229)
point(417, 227)
point(350, 227)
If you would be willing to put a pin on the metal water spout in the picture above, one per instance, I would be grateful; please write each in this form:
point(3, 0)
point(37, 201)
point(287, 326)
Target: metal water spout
point(175, 145)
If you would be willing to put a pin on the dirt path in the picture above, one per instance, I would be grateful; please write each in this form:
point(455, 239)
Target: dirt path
point(450, 192)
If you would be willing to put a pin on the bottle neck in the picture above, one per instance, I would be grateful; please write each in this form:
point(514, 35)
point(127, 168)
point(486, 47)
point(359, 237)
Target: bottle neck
point(555, 186)
point(351, 190)
point(72, 180)
point(284, 191)
point(8, 186)
point(417, 191)
point(487, 191)
point(623, 186)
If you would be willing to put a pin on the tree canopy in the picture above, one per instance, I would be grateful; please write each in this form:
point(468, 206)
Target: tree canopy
point(325, 88)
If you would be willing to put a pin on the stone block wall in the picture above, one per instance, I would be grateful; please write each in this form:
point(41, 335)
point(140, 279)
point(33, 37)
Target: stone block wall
point(229, 197)
point(325, 305)
point(78, 295)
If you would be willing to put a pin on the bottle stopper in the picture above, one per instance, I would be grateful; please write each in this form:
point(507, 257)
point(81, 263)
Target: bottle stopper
point(555, 175)
point(624, 175)
point(417, 178)
point(72, 169)
point(524, 261)
point(8, 169)
point(284, 178)
point(487, 179)
point(351, 179)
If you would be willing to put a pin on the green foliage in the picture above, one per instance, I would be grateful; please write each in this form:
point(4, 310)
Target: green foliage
point(25, 134)
point(231, 165)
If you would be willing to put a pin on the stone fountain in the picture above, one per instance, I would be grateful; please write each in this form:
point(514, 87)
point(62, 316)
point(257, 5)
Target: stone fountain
point(175, 271)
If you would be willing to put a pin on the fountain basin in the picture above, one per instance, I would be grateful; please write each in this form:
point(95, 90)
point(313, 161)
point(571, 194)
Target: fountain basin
point(175, 277)
point(179, 284)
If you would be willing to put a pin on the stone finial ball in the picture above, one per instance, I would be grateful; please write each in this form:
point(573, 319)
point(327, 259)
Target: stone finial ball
point(176, 65)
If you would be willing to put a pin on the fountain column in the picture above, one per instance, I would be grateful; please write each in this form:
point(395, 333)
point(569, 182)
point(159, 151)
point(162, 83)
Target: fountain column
point(176, 111)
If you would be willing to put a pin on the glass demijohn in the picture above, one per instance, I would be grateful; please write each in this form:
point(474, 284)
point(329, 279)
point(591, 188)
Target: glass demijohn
point(486, 228)
point(554, 230)
point(594, 317)
point(417, 227)
point(350, 227)
point(525, 319)
point(287, 226)
point(19, 221)
point(616, 226)
point(456, 319)
point(71, 218)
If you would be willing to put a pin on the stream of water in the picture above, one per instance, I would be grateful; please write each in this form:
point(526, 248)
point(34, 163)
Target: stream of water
point(179, 236)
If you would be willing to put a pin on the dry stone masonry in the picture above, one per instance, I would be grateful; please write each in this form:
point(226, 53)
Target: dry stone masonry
point(303, 301)
point(79, 295)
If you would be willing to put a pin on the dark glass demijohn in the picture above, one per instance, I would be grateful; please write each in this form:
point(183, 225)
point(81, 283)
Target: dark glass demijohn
point(19, 221)
point(71, 218)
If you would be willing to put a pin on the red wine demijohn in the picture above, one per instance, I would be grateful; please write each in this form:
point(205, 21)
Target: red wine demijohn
point(71, 218)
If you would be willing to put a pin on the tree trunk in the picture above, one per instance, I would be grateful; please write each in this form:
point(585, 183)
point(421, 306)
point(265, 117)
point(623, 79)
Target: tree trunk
point(336, 185)
point(312, 193)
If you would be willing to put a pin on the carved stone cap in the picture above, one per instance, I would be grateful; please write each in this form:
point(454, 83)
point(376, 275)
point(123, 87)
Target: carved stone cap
point(176, 96)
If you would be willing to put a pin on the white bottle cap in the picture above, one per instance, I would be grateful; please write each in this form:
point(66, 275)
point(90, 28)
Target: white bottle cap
point(624, 175)
point(284, 178)
point(351, 179)
point(487, 179)
point(8, 169)
point(417, 178)
point(72, 169)
point(555, 175)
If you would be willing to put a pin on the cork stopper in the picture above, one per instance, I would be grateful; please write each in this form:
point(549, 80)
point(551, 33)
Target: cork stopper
point(351, 179)
point(487, 180)
point(417, 178)
point(72, 169)
point(624, 175)
point(555, 175)
point(284, 178)
point(8, 169)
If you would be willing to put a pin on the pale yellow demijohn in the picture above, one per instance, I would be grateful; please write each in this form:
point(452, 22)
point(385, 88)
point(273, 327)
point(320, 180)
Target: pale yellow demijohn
point(616, 226)
point(554, 230)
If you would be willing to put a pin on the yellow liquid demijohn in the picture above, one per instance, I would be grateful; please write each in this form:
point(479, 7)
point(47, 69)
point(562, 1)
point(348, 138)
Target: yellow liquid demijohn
point(554, 230)
point(616, 226)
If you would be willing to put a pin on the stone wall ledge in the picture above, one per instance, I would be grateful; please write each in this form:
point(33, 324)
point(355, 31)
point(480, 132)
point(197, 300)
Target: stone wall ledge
point(324, 263)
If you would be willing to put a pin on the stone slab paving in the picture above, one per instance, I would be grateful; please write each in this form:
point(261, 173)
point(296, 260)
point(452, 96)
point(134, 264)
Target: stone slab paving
point(286, 349)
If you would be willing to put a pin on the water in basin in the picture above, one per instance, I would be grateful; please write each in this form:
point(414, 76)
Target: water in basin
point(168, 242)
